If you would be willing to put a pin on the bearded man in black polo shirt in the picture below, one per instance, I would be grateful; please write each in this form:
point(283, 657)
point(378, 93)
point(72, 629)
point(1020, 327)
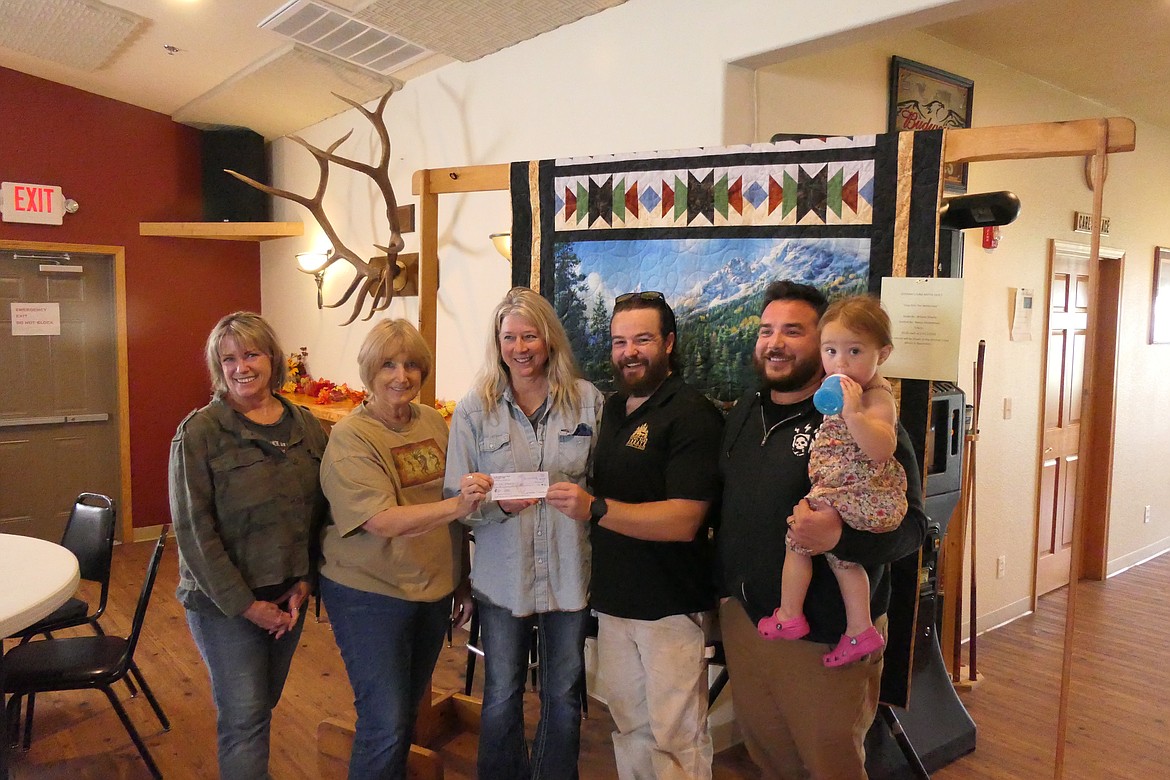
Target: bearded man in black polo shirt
point(655, 481)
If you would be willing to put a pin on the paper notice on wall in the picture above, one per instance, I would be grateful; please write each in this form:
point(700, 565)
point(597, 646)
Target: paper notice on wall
point(36, 319)
point(925, 315)
point(1022, 314)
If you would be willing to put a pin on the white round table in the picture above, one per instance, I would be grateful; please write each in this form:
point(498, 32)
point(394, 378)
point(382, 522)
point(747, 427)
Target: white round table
point(36, 577)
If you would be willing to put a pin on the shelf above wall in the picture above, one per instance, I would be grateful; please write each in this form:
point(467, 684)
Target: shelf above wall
point(223, 231)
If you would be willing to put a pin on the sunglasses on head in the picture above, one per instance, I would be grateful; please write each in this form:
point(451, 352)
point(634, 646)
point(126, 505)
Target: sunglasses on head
point(648, 295)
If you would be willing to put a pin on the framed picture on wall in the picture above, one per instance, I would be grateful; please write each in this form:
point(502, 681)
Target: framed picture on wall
point(926, 98)
point(1160, 298)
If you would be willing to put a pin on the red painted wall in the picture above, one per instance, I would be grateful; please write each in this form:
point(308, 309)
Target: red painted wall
point(126, 165)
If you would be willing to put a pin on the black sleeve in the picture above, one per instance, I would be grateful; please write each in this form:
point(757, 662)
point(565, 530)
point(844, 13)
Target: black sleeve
point(870, 549)
point(692, 466)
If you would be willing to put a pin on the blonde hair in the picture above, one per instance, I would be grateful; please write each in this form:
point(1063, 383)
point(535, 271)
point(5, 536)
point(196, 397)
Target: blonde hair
point(250, 332)
point(561, 369)
point(862, 314)
point(387, 339)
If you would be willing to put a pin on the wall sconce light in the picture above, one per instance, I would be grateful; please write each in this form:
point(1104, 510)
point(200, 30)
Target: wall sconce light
point(314, 263)
point(503, 244)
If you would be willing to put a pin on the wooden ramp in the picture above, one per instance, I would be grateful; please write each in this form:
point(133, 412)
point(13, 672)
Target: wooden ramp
point(445, 715)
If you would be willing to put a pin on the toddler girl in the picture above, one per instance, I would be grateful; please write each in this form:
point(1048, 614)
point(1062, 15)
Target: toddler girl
point(852, 468)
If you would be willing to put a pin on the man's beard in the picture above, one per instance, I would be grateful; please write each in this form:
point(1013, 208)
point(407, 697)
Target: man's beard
point(656, 371)
point(799, 376)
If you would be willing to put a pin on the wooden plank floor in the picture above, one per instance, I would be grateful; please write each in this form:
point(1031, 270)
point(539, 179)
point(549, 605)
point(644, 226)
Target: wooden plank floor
point(1120, 708)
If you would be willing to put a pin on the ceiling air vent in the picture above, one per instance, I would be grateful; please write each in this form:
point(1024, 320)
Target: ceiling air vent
point(332, 31)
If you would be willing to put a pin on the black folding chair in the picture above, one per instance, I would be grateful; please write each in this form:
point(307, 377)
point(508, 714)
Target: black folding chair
point(79, 663)
point(89, 535)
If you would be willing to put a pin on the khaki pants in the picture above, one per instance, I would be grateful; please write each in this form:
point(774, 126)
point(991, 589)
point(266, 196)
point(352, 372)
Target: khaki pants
point(655, 675)
point(799, 718)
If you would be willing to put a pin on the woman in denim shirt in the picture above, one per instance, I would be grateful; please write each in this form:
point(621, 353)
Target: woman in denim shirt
point(530, 411)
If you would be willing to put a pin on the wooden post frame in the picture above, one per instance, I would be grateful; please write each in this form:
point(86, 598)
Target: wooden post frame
point(1099, 138)
point(428, 184)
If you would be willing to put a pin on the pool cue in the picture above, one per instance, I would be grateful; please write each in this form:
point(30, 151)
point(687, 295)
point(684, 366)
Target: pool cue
point(972, 674)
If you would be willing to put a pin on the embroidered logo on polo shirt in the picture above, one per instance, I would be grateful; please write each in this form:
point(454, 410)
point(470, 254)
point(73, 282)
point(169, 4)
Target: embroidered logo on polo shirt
point(638, 437)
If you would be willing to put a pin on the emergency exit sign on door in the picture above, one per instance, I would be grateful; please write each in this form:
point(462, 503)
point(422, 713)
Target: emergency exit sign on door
point(39, 204)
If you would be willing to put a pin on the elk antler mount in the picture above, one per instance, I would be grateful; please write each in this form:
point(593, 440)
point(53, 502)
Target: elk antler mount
point(375, 279)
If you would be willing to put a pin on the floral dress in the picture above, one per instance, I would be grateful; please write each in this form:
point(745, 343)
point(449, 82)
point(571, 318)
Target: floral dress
point(869, 496)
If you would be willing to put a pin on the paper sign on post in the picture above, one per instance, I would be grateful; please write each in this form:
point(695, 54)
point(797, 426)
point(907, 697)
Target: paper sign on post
point(925, 316)
point(519, 484)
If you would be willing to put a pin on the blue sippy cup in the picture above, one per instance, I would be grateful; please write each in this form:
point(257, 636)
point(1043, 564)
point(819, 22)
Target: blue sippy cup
point(829, 399)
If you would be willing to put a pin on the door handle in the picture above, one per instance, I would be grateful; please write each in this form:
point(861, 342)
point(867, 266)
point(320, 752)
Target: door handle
point(14, 422)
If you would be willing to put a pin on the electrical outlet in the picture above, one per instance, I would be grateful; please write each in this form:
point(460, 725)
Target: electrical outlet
point(1146, 516)
point(1000, 567)
point(1007, 408)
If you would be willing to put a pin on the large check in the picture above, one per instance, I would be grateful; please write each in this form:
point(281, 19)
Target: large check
point(519, 484)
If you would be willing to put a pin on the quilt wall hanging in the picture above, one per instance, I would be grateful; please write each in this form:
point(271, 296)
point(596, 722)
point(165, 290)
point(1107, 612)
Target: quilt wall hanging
point(711, 227)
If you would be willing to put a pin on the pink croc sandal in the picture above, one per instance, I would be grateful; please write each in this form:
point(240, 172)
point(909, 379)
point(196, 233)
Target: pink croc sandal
point(852, 649)
point(771, 628)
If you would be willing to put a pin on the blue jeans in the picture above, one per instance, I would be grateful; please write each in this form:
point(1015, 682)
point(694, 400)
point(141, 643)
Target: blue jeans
point(503, 753)
point(389, 647)
point(248, 669)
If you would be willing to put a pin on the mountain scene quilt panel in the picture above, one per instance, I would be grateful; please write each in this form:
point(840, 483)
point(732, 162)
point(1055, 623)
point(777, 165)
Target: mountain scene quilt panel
point(711, 227)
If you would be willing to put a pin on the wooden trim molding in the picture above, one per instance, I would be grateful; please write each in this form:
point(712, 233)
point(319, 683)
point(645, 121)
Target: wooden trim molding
point(223, 231)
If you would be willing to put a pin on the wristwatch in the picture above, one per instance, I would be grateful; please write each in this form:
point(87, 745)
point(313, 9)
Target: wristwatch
point(597, 509)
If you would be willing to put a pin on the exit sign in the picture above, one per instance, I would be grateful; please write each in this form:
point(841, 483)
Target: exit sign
point(39, 204)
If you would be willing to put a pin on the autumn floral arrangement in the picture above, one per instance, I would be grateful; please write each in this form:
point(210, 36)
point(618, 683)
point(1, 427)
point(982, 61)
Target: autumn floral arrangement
point(446, 408)
point(322, 390)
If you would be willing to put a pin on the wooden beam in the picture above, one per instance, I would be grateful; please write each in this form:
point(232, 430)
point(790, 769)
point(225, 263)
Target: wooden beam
point(1076, 138)
point(468, 178)
point(428, 272)
point(1088, 422)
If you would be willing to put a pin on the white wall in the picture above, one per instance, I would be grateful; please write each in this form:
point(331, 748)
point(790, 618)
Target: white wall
point(846, 92)
point(649, 74)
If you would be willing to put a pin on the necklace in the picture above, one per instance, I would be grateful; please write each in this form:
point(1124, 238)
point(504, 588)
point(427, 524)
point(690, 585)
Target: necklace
point(383, 416)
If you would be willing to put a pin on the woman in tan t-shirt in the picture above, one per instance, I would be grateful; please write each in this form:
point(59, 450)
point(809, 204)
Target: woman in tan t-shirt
point(393, 558)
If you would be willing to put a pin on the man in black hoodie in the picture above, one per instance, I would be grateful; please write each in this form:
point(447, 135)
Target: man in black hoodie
point(799, 718)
